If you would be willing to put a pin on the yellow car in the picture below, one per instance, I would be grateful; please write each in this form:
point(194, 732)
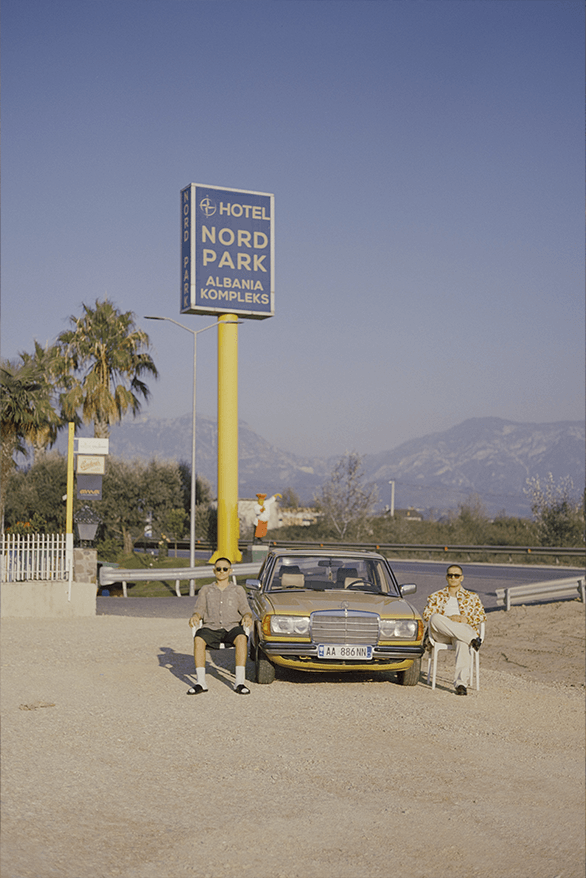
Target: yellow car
point(332, 610)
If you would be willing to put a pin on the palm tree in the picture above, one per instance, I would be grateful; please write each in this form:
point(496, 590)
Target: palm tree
point(100, 362)
point(25, 413)
point(42, 366)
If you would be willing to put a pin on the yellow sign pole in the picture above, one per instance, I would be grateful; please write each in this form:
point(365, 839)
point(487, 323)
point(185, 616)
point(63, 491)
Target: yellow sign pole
point(228, 526)
point(69, 508)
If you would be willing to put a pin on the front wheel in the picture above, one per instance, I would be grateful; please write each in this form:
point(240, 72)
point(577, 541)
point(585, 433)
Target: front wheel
point(265, 671)
point(410, 677)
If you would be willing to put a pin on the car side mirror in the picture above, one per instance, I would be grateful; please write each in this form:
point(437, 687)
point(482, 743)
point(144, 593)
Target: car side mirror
point(253, 583)
point(411, 588)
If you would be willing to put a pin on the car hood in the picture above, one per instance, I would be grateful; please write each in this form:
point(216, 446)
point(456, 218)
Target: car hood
point(306, 602)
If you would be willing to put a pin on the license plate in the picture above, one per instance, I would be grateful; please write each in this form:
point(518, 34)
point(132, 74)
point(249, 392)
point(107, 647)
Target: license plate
point(344, 651)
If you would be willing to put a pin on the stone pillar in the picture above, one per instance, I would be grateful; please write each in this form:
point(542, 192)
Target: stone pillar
point(85, 565)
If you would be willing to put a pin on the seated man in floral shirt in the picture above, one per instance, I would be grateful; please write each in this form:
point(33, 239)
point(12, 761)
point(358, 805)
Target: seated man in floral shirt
point(454, 617)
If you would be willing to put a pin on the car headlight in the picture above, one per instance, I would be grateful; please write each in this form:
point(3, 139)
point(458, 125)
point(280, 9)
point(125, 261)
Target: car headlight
point(393, 629)
point(287, 625)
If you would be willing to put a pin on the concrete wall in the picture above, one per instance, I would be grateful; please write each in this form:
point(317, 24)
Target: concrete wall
point(47, 600)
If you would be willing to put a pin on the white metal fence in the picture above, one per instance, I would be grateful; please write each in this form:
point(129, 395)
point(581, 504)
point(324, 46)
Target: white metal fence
point(34, 556)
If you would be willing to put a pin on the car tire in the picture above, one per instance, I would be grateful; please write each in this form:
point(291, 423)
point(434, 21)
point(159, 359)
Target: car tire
point(410, 677)
point(265, 671)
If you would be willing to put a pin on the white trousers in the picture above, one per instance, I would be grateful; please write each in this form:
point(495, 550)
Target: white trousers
point(458, 634)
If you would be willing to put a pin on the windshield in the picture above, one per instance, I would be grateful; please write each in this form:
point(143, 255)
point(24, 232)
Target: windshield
point(320, 573)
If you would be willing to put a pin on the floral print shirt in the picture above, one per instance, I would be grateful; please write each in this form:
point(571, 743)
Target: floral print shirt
point(469, 603)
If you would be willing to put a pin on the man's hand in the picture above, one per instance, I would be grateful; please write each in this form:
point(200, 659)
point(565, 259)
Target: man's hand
point(463, 619)
point(195, 620)
point(247, 620)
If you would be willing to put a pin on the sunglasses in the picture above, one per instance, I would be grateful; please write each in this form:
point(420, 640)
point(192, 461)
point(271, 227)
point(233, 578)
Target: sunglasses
point(222, 569)
point(454, 576)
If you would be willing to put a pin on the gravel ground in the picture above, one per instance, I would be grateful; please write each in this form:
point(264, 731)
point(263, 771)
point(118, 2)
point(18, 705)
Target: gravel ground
point(110, 770)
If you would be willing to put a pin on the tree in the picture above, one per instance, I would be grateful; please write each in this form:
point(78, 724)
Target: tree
point(35, 495)
point(42, 365)
point(203, 489)
point(290, 499)
point(161, 494)
point(175, 525)
point(344, 501)
point(471, 524)
point(25, 411)
point(100, 363)
point(559, 516)
point(122, 508)
point(137, 497)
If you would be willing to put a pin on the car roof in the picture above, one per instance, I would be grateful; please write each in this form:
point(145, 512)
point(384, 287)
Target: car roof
point(325, 553)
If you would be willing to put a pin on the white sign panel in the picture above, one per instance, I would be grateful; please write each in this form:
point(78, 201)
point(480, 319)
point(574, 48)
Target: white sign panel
point(91, 446)
point(91, 464)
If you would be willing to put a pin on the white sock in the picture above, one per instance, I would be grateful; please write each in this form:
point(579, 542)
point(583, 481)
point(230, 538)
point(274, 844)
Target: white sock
point(240, 669)
point(201, 677)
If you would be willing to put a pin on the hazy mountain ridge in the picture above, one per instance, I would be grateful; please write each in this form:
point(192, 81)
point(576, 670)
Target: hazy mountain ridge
point(487, 456)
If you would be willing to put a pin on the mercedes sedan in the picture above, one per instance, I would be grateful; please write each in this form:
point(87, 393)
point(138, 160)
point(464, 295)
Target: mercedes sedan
point(333, 610)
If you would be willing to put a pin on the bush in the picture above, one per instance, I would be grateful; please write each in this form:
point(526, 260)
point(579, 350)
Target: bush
point(558, 514)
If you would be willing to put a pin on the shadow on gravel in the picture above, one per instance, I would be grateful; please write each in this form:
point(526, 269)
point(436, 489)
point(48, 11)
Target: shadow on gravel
point(180, 664)
point(219, 665)
point(299, 677)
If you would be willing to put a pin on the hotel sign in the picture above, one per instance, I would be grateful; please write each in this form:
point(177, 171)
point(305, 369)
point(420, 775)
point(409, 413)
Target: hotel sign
point(227, 251)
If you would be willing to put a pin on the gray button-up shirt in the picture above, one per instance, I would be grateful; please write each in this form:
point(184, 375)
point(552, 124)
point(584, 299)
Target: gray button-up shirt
point(221, 608)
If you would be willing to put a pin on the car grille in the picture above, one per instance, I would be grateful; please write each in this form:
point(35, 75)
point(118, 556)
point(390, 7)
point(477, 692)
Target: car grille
point(344, 626)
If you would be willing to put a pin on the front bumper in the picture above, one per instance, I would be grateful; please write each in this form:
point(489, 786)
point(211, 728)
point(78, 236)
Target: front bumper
point(304, 656)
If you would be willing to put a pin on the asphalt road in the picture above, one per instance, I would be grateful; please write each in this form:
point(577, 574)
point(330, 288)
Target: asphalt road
point(428, 575)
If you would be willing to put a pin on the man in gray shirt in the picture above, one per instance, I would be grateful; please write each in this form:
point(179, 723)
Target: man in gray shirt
point(223, 609)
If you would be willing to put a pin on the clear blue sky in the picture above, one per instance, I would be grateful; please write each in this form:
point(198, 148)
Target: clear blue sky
point(427, 161)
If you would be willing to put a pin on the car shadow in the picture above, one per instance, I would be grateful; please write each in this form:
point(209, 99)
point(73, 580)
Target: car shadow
point(292, 675)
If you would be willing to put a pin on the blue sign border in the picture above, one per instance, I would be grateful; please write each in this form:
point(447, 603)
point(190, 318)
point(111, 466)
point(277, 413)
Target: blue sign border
point(227, 251)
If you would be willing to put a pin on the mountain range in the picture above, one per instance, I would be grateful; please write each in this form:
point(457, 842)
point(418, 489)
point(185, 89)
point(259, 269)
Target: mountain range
point(489, 457)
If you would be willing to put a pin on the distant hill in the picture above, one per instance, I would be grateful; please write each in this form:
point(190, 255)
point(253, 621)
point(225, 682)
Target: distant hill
point(490, 457)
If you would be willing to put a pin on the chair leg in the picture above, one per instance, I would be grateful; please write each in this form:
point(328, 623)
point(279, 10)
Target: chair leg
point(474, 668)
point(434, 659)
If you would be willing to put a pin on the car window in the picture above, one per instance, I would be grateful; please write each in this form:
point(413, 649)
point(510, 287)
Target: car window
point(321, 573)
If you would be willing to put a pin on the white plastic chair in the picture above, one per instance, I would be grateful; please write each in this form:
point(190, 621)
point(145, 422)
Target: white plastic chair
point(437, 647)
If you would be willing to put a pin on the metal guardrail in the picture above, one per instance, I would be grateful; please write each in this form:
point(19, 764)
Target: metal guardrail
point(439, 547)
point(532, 591)
point(111, 575)
point(415, 548)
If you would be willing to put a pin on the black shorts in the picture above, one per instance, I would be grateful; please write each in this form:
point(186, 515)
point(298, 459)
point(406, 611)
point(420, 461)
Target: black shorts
point(216, 636)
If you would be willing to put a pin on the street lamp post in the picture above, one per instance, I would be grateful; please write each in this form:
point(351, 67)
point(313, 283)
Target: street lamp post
point(195, 333)
point(392, 484)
